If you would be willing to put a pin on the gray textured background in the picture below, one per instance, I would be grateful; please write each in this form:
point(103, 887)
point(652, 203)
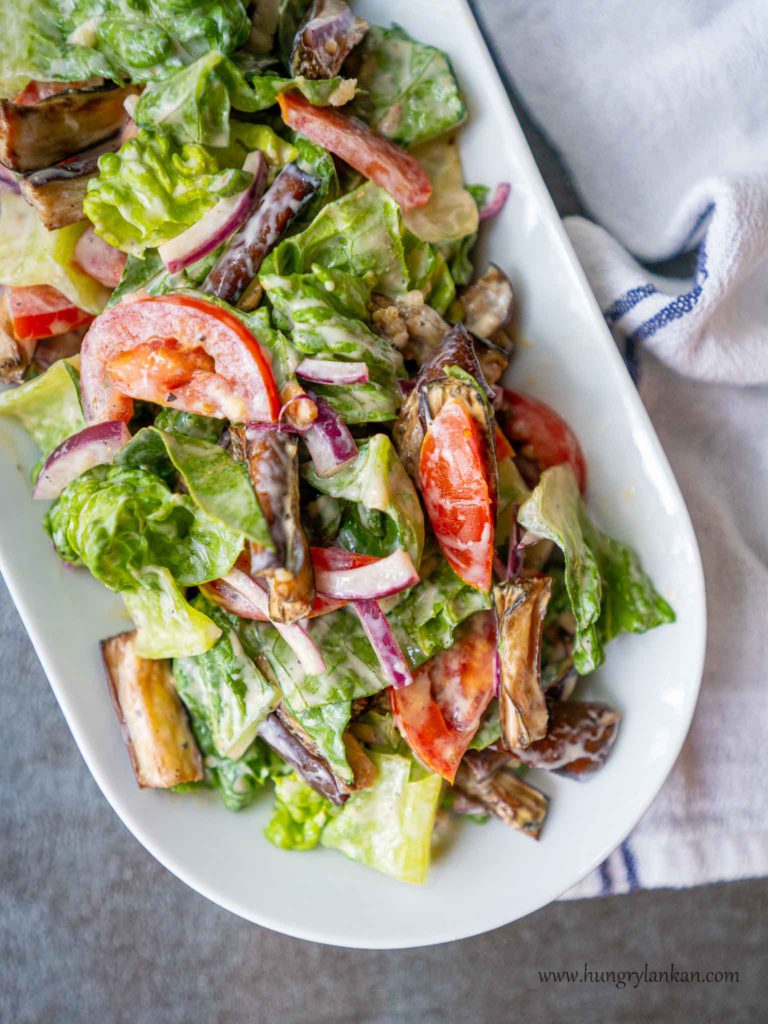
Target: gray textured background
point(92, 929)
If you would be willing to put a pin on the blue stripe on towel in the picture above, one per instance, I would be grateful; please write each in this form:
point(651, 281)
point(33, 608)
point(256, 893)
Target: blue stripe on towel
point(631, 865)
point(690, 238)
point(628, 301)
point(679, 306)
point(606, 882)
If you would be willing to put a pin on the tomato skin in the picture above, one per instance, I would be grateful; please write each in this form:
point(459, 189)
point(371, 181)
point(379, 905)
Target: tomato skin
point(457, 493)
point(98, 259)
point(439, 712)
point(361, 147)
point(39, 311)
point(241, 388)
point(553, 442)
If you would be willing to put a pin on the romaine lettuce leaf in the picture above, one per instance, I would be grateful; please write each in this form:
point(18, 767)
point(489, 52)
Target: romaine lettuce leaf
point(320, 93)
point(167, 625)
point(607, 588)
point(48, 406)
point(360, 234)
point(384, 512)
point(299, 816)
point(320, 164)
point(450, 213)
point(407, 89)
point(389, 827)
point(224, 688)
point(424, 619)
point(31, 255)
point(428, 272)
point(152, 189)
point(326, 725)
point(362, 403)
point(458, 252)
point(489, 730)
point(206, 428)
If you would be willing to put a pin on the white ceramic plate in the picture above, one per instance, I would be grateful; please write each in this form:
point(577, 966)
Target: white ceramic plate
point(491, 875)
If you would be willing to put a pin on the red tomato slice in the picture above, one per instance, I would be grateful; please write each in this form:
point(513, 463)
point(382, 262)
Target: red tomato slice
point(98, 259)
point(240, 387)
point(164, 364)
point(34, 91)
point(551, 439)
point(439, 712)
point(39, 311)
point(457, 495)
point(362, 148)
point(504, 449)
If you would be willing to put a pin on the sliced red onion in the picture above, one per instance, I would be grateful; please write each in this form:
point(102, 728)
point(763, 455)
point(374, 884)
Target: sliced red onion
point(406, 387)
point(93, 446)
point(328, 440)
point(221, 221)
point(287, 428)
point(497, 674)
point(379, 632)
point(246, 588)
point(330, 371)
point(223, 594)
point(8, 180)
point(378, 579)
point(496, 203)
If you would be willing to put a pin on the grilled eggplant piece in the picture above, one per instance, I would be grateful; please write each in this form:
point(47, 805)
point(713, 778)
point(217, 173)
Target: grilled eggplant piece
point(505, 795)
point(488, 303)
point(61, 346)
point(521, 605)
point(57, 192)
point(238, 265)
point(283, 734)
point(154, 723)
point(580, 737)
point(15, 356)
point(34, 137)
point(409, 323)
point(325, 38)
point(273, 463)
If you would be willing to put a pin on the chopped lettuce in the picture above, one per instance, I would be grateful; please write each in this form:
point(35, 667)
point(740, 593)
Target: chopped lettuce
point(224, 688)
point(48, 406)
point(407, 89)
point(389, 827)
point(31, 255)
point(458, 252)
point(167, 625)
point(320, 93)
point(320, 164)
point(152, 189)
point(299, 816)
point(206, 428)
point(360, 234)
point(428, 272)
point(608, 591)
point(362, 403)
point(489, 730)
point(326, 725)
point(383, 511)
point(451, 212)
point(424, 620)
point(220, 486)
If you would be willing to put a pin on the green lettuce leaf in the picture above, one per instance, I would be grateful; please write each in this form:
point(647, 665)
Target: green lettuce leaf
point(205, 428)
point(320, 164)
point(224, 688)
point(299, 816)
point(389, 827)
point(407, 89)
point(245, 138)
point(608, 591)
point(458, 252)
point(320, 93)
point(384, 512)
point(424, 620)
point(490, 728)
point(220, 486)
point(31, 255)
point(152, 189)
point(326, 725)
point(360, 234)
point(428, 272)
point(167, 625)
point(362, 403)
point(451, 212)
point(48, 406)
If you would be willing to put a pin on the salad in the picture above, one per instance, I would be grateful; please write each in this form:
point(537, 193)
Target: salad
point(242, 321)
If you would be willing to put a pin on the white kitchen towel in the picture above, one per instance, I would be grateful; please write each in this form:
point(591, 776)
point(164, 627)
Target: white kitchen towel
point(659, 112)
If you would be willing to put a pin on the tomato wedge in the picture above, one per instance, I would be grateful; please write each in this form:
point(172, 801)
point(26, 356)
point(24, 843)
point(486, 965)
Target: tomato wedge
point(439, 712)
point(98, 259)
point(34, 91)
point(39, 311)
point(551, 440)
point(457, 493)
point(362, 148)
point(238, 387)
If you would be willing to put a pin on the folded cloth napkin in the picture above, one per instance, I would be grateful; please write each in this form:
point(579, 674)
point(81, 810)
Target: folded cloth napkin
point(659, 113)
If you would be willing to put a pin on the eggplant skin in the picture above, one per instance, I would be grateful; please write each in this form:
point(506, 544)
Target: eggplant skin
point(326, 36)
point(34, 137)
point(521, 605)
point(504, 794)
point(155, 727)
point(580, 737)
point(57, 203)
point(283, 734)
point(15, 356)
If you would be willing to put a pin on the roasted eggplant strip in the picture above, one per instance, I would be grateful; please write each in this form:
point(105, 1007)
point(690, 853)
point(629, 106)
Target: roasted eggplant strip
point(34, 137)
point(239, 264)
point(578, 742)
point(281, 732)
point(488, 303)
point(409, 324)
point(57, 192)
point(15, 356)
point(505, 795)
point(154, 723)
point(521, 605)
point(325, 38)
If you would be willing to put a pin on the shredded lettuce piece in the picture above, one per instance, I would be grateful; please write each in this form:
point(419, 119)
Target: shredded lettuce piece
point(383, 511)
point(428, 272)
point(407, 90)
point(451, 212)
point(326, 725)
point(48, 406)
point(31, 255)
point(152, 189)
point(167, 625)
point(608, 591)
point(321, 92)
point(206, 428)
point(389, 827)
point(299, 816)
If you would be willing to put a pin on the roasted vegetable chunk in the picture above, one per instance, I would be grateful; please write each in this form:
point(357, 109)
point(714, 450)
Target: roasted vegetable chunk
point(502, 793)
point(578, 742)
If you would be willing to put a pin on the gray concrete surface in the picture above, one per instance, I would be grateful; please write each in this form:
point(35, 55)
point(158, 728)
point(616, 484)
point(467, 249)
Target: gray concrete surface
point(94, 931)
